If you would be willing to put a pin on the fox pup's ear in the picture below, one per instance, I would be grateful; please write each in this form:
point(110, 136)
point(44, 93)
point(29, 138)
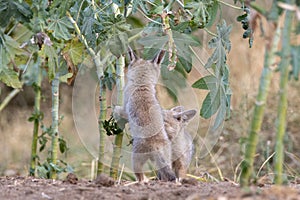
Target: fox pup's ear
point(159, 57)
point(185, 116)
point(178, 109)
point(133, 57)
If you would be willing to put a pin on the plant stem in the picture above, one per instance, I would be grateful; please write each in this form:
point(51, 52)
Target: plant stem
point(269, 60)
point(258, 8)
point(37, 103)
point(156, 22)
point(135, 37)
point(211, 33)
point(229, 5)
point(54, 126)
point(102, 133)
point(90, 50)
point(8, 98)
point(120, 66)
point(102, 92)
point(282, 108)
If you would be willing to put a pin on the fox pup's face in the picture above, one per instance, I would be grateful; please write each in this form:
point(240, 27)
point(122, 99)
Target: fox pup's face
point(176, 119)
point(172, 124)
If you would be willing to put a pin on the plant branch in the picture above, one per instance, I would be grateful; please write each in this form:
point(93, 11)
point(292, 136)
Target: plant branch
point(258, 8)
point(136, 36)
point(182, 5)
point(229, 5)
point(211, 33)
point(148, 17)
point(8, 98)
point(90, 50)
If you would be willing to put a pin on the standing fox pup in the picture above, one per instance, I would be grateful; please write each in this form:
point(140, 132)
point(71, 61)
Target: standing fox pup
point(145, 117)
point(175, 121)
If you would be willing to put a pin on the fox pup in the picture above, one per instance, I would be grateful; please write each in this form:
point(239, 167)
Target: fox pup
point(145, 117)
point(175, 121)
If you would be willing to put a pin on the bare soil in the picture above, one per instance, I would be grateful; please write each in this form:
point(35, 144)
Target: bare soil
point(104, 188)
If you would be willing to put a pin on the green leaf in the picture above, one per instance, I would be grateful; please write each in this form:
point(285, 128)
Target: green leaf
point(118, 44)
point(42, 172)
point(42, 141)
point(64, 78)
point(62, 145)
point(88, 25)
point(210, 104)
point(183, 43)
point(21, 34)
point(204, 12)
point(75, 50)
point(31, 74)
point(221, 113)
point(10, 77)
point(4, 58)
point(213, 11)
point(184, 65)
point(218, 98)
point(158, 10)
point(154, 42)
point(139, 3)
point(56, 167)
point(12, 8)
point(12, 47)
point(50, 53)
point(221, 44)
point(60, 28)
point(174, 80)
point(206, 83)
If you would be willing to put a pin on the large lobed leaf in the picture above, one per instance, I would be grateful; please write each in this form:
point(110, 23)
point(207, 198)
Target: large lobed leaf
point(10, 77)
point(217, 100)
point(50, 53)
point(11, 8)
point(60, 28)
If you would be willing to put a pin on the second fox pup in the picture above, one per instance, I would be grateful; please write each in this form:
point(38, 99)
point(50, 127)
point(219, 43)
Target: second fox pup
point(175, 121)
point(150, 140)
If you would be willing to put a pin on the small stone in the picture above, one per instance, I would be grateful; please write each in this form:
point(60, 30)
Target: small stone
point(104, 180)
point(189, 181)
point(71, 178)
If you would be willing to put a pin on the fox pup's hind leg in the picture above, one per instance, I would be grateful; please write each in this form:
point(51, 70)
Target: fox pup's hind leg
point(162, 160)
point(138, 160)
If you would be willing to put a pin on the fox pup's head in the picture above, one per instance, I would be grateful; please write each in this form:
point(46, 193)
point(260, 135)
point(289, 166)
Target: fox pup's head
point(176, 119)
point(144, 71)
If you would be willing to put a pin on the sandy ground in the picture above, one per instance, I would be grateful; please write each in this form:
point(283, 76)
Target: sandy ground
point(104, 188)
